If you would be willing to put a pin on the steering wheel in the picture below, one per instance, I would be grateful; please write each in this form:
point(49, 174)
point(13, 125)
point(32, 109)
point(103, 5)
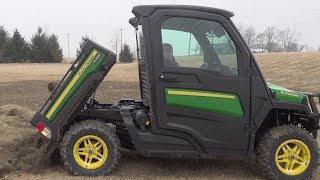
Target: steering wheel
point(223, 69)
point(205, 65)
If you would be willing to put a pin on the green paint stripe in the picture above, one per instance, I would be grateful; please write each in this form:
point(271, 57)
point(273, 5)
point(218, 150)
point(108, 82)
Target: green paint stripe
point(215, 102)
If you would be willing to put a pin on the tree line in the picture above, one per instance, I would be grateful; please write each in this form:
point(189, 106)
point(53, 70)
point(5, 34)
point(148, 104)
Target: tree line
point(273, 39)
point(42, 48)
point(125, 56)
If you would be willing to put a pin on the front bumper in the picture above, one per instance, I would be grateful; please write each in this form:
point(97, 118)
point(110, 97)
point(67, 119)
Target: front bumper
point(311, 102)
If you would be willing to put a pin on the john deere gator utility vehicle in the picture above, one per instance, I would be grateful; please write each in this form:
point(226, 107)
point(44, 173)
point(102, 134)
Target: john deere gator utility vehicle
point(202, 96)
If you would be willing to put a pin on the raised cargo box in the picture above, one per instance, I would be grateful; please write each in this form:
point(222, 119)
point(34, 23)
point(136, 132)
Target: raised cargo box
point(74, 89)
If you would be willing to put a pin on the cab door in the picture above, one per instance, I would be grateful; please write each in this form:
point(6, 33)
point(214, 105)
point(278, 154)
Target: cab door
point(203, 89)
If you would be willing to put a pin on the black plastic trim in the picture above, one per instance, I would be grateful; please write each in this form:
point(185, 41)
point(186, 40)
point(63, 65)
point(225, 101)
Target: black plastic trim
point(147, 10)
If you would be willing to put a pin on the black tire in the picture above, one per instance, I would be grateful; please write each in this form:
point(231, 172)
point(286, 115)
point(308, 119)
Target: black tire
point(270, 142)
point(90, 127)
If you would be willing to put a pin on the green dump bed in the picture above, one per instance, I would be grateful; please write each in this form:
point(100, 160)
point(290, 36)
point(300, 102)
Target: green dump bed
point(75, 88)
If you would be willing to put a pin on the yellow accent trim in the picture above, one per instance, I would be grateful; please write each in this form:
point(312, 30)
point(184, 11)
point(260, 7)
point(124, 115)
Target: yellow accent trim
point(90, 152)
point(293, 157)
point(289, 93)
point(188, 93)
point(71, 84)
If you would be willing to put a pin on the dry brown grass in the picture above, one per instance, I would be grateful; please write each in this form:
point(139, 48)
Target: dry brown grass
point(299, 71)
point(47, 72)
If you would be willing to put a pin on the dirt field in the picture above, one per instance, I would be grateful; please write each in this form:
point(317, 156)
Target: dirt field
point(23, 89)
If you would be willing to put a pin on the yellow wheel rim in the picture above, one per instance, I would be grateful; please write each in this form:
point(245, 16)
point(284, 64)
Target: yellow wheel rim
point(292, 157)
point(90, 152)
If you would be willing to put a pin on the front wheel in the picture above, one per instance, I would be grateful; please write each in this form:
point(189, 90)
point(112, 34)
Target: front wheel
point(288, 152)
point(90, 148)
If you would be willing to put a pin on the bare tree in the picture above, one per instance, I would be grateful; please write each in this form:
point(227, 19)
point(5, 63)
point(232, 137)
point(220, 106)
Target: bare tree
point(273, 39)
point(249, 35)
point(319, 48)
point(288, 40)
point(115, 41)
point(271, 34)
point(240, 27)
point(306, 48)
point(261, 42)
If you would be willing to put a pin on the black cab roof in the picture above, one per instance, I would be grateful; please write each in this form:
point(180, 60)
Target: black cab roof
point(147, 10)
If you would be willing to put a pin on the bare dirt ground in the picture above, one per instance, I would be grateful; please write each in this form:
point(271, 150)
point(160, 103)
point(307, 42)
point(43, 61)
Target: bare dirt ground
point(23, 90)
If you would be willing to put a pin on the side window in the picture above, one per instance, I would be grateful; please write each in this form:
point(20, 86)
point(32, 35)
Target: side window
point(198, 43)
point(225, 48)
point(181, 49)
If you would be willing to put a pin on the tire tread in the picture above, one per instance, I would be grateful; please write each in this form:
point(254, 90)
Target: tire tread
point(265, 146)
point(90, 125)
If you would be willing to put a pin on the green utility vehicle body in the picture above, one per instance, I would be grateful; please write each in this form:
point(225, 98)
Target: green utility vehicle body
point(210, 102)
point(284, 94)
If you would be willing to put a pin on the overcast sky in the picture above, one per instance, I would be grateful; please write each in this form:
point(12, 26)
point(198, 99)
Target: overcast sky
point(99, 19)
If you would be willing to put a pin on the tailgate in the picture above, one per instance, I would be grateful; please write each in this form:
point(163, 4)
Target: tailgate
point(74, 89)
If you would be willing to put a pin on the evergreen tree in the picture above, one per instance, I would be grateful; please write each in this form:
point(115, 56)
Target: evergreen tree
point(55, 50)
point(125, 55)
point(4, 38)
point(17, 49)
point(81, 44)
point(39, 47)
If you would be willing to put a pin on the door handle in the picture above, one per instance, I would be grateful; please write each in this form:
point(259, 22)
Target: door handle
point(168, 78)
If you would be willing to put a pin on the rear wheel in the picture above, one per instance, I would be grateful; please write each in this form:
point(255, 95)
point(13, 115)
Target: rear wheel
point(90, 148)
point(288, 152)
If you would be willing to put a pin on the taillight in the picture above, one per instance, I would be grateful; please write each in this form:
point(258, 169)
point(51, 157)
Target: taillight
point(40, 126)
point(43, 129)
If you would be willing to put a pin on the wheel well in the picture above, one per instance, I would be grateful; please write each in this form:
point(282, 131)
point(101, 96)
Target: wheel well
point(278, 117)
point(121, 130)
